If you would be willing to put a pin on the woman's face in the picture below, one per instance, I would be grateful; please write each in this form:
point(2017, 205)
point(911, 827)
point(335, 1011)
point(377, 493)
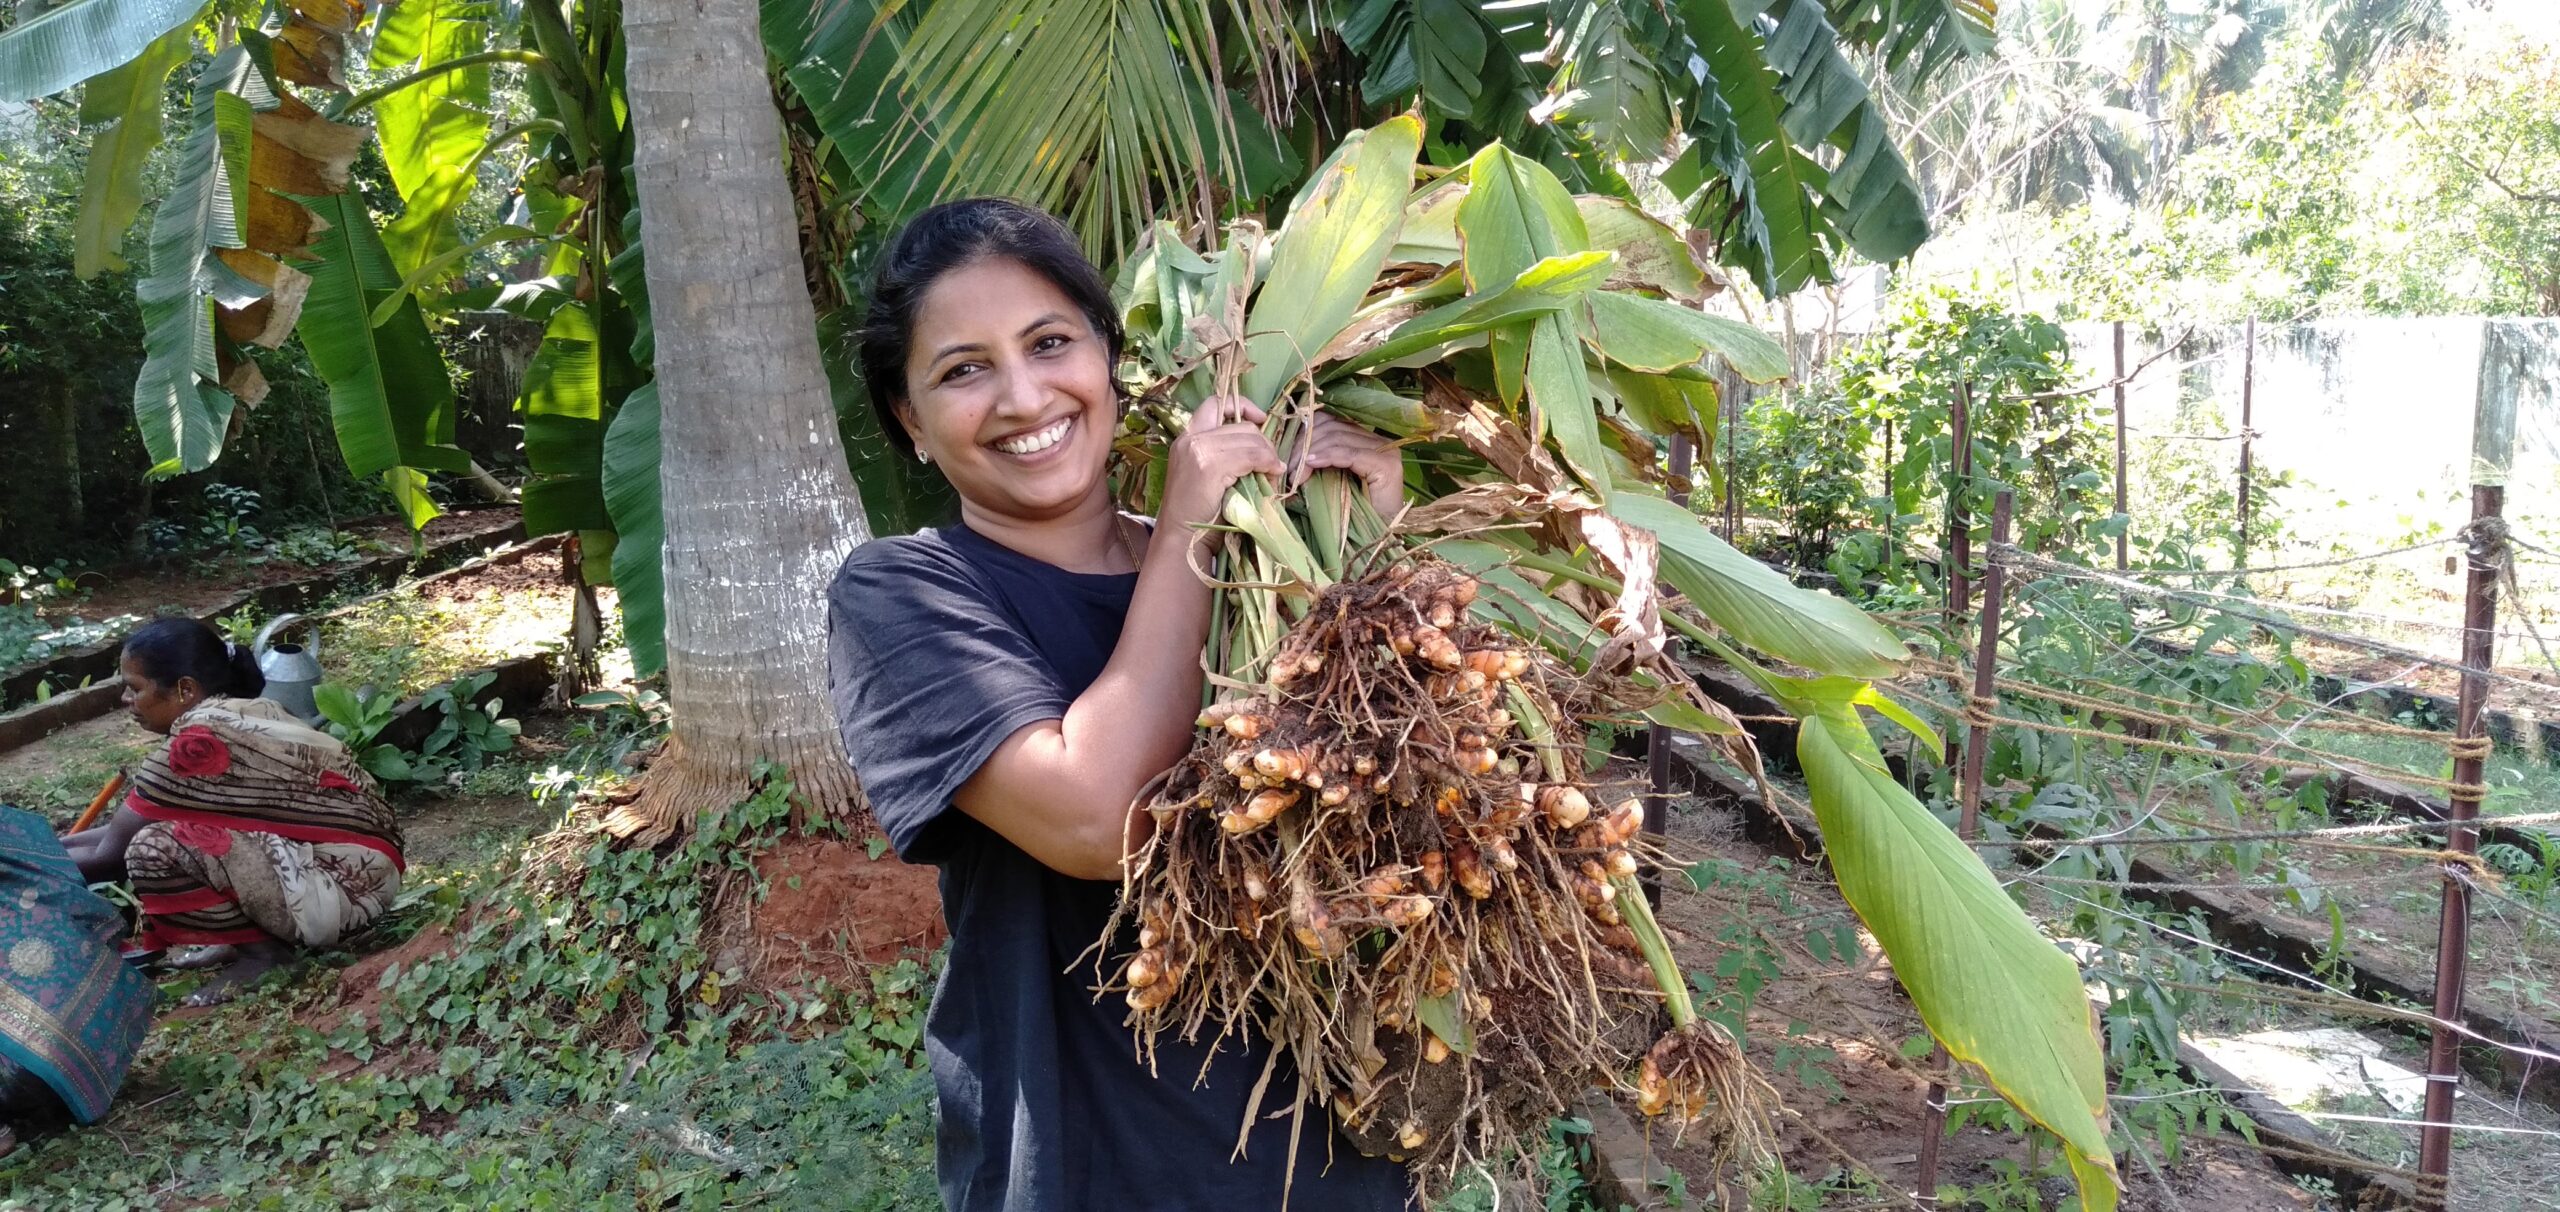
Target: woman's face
point(1009, 391)
point(154, 706)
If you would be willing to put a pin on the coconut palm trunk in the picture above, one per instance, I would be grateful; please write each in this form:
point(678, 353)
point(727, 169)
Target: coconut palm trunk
point(759, 506)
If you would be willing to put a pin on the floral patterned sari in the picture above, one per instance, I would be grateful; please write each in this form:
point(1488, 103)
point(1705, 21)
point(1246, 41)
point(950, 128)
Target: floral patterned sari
point(260, 828)
point(71, 1012)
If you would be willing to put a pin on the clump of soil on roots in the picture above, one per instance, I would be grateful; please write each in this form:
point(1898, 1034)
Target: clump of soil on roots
point(1387, 861)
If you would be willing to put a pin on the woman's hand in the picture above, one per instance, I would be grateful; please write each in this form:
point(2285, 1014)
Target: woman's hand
point(1336, 443)
point(1223, 444)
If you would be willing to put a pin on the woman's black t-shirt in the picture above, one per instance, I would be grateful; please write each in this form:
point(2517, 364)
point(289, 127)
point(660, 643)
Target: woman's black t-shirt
point(939, 646)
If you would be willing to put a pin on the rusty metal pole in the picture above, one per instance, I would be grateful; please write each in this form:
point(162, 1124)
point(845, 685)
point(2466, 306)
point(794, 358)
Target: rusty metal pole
point(1657, 739)
point(2248, 393)
point(2493, 430)
point(1890, 513)
point(2120, 506)
point(1958, 555)
point(1977, 744)
point(1986, 665)
point(2471, 751)
point(1959, 551)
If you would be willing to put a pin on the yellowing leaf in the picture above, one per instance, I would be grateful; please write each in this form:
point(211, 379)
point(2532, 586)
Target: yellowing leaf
point(1328, 253)
point(1757, 605)
point(111, 185)
point(1650, 254)
point(1990, 986)
point(1653, 334)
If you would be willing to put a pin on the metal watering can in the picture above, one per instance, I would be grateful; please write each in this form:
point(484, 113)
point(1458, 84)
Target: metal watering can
point(293, 670)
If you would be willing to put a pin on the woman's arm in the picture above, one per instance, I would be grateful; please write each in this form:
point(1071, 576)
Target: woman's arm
point(1065, 790)
point(99, 852)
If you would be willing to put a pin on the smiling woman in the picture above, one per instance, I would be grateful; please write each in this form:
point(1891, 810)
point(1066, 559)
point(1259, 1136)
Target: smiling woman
point(1006, 686)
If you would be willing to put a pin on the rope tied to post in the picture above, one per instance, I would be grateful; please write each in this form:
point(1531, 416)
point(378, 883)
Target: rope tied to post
point(1981, 710)
point(2468, 749)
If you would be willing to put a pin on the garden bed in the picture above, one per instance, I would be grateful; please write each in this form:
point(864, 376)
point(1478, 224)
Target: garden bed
point(1835, 1034)
point(218, 593)
point(2248, 923)
point(399, 640)
point(2397, 971)
point(2502, 1166)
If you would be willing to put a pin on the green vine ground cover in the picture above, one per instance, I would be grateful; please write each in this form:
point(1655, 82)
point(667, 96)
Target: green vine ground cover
point(543, 1024)
point(554, 1044)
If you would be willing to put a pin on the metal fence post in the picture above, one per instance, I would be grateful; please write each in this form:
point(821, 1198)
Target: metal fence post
point(2248, 394)
point(2120, 505)
point(1891, 514)
point(1959, 552)
point(2471, 750)
point(2493, 430)
point(1986, 666)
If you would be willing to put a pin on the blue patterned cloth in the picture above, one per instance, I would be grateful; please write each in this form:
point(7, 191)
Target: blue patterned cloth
point(71, 1011)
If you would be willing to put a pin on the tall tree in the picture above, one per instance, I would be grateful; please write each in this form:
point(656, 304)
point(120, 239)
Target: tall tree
point(759, 509)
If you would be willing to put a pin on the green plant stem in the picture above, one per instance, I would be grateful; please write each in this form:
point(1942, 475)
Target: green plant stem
point(1638, 915)
point(1542, 735)
point(366, 99)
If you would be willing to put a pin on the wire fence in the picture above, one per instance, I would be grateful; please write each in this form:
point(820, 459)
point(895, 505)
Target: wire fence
point(2196, 744)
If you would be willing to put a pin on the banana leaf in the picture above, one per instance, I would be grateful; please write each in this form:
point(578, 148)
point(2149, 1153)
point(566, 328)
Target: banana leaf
point(177, 401)
point(431, 131)
point(1869, 194)
point(565, 415)
point(126, 102)
point(631, 497)
point(1742, 163)
point(76, 40)
point(390, 399)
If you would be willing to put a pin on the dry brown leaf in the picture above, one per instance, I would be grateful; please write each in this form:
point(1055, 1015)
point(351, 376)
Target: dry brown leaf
point(267, 322)
point(242, 378)
point(296, 151)
point(1366, 333)
point(1636, 616)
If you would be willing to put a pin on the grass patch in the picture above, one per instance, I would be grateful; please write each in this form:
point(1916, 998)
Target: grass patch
point(56, 777)
point(409, 640)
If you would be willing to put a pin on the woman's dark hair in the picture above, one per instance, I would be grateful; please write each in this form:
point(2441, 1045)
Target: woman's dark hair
point(175, 646)
point(953, 236)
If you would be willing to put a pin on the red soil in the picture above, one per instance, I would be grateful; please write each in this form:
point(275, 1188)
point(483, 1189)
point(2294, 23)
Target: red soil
point(360, 986)
point(832, 910)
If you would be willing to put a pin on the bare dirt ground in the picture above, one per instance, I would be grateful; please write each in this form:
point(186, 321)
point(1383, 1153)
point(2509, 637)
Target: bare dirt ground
point(1831, 1032)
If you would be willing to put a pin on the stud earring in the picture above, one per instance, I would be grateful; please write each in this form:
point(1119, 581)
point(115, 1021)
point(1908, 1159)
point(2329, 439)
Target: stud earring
point(922, 457)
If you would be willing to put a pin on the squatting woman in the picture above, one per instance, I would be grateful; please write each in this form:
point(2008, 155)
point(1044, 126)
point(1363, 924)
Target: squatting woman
point(248, 831)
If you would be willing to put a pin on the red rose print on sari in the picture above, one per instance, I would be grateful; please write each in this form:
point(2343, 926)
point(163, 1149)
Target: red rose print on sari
point(210, 840)
point(196, 753)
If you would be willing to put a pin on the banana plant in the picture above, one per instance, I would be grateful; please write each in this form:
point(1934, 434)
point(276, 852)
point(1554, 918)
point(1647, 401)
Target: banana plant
point(1529, 347)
